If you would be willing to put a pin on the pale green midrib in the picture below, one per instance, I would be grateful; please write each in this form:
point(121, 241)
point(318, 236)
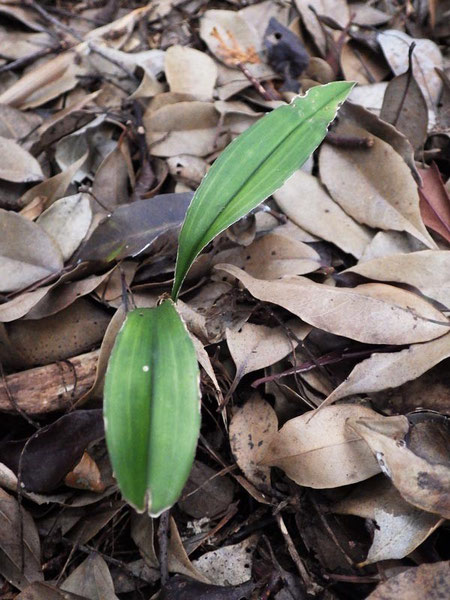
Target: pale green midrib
point(199, 247)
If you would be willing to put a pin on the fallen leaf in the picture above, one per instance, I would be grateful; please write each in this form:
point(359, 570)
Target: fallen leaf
point(387, 243)
point(20, 560)
point(374, 186)
point(422, 482)
point(392, 369)
point(305, 201)
point(178, 587)
point(45, 591)
point(54, 450)
point(428, 271)
point(27, 253)
point(322, 452)
point(251, 430)
point(228, 565)
point(85, 476)
point(67, 222)
point(110, 187)
point(16, 124)
point(133, 227)
point(178, 560)
point(427, 56)
point(431, 581)
point(435, 202)
point(206, 493)
point(309, 9)
point(17, 164)
point(142, 533)
point(397, 316)
point(91, 579)
point(255, 347)
point(189, 71)
point(399, 527)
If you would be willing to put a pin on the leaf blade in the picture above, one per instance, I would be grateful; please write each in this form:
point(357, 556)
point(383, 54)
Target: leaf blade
point(289, 135)
point(152, 415)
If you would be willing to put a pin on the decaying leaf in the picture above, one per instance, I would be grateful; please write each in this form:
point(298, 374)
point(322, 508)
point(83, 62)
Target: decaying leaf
point(189, 71)
point(229, 565)
point(399, 526)
point(17, 164)
point(397, 316)
point(424, 482)
point(206, 493)
point(435, 202)
point(322, 452)
point(251, 430)
point(91, 579)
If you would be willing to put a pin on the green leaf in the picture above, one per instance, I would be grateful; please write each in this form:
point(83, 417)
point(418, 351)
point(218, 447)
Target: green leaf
point(152, 407)
point(253, 166)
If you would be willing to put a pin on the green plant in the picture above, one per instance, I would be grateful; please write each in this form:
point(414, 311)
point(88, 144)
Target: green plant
point(152, 396)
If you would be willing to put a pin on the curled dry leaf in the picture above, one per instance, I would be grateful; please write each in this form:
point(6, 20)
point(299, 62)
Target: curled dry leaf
point(422, 482)
point(374, 186)
point(389, 370)
point(305, 201)
point(206, 493)
point(190, 71)
point(17, 164)
point(430, 581)
point(428, 271)
point(27, 253)
point(397, 316)
point(67, 222)
point(228, 565)
point(435, 202)
point(400, 527)
point(386, 243)
point(255, 347)
point(178, 560)
point(321, 452)
point(85, 476)
point(334, 9)
point(251, 430)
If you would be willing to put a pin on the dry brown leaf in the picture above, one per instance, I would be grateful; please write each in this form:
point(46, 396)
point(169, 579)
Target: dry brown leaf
point(423, 483)
point(374, 186)
point(22, 304)
point(335, 9)
point(305, 201)
point(27, 253)
point(190, 71)
point(228, 565)
point(207, 493)
point(178, 560)
point(435, 202)
point(142, 533)
point(389, 370)
point(430, 581)
point(67, 222)
point(251, 430)
point(91, 579)
point(110, 187)
point(359, 63)
point(386, 243)
point(400, 528)
point(85, 476)
point(396, 316)
point(428, 271)
point(272, 256)
point(255, 347)
point(17, 164)
point(427, 56)
point(20, 562)
point(16, 124)
point(322, 452)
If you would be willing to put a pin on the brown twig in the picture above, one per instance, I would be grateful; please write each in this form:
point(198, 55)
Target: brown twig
point(163, 539)
point(349, 142)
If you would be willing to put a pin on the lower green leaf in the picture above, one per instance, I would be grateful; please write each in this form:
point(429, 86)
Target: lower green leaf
point(152, 407)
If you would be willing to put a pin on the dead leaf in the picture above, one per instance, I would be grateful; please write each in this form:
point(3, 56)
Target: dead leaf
point(335, 9)
point(67, 221)
point(92, 579)
point(427, 56)
point(397, 316)
point(110, 187)
point(133, 227)
point(255, 347)
point(194, 590)
point(189, 71)
point(251, 430)
point(206, 493)
point(142, 533)
point(16, 124)
point(435, 202)
point(387, 243)
point(305, 201)
point(17, 164)
point(359, 63)
point(322, 452)
point(20, 560)
point(423, 483)
point(27, 253)
point(45, 591)
point(374, 186)
point(392, 369)
point(399, 527)
point(431, 581)
point(228, 565)
point(428, 271)
point(85, 476)
point(178, 559)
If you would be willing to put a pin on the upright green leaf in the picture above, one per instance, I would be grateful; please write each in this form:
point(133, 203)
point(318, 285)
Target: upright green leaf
point(253, 166)
point(152, 407)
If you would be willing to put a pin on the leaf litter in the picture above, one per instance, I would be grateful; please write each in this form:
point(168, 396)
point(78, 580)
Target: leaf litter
point(332, 299)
